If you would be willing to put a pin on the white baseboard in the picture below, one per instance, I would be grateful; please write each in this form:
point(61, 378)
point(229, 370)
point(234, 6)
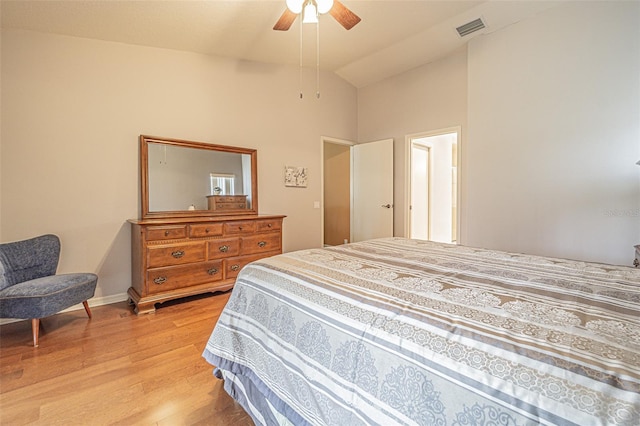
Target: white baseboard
point(94, 301)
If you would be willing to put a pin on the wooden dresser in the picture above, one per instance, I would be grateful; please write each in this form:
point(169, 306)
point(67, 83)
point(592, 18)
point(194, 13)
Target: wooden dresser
point(178, 257)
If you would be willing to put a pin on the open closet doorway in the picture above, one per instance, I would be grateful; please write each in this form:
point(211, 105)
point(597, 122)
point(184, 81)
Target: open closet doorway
point(336, 192)
point(432, 185)
point(357, 190)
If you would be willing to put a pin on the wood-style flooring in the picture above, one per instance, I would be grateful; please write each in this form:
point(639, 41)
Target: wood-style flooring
point(117, 368)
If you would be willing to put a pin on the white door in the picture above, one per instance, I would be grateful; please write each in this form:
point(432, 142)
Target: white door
point(372, 209)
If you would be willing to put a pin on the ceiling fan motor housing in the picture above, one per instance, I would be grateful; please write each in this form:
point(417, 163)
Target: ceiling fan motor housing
point(322, 6)
point(338, 11)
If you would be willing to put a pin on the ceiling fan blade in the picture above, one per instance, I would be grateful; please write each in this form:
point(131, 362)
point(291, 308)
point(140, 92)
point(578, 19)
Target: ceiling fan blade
point(344, 16)
point(285, 21)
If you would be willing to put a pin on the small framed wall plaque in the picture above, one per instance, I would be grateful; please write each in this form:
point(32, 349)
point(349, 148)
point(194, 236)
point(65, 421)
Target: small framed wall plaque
point(295, 176)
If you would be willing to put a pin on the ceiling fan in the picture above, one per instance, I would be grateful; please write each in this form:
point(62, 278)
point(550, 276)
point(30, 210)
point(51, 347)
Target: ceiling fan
point(310, 9)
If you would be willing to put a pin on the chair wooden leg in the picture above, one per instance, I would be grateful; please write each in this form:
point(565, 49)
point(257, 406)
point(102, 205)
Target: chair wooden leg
point(35, 330)
point(86, 308)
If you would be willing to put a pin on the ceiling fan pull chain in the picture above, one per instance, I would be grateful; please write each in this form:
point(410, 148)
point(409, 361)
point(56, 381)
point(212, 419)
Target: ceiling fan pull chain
point(318, 60)
point(300, 72)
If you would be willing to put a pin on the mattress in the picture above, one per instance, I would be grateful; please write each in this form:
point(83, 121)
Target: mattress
point(408, 332)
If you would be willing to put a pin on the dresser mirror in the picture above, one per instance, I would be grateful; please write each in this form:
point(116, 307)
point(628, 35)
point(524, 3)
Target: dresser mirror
point(182, 179)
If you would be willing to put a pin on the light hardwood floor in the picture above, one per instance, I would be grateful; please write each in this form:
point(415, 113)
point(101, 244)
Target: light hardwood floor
point(117, 368)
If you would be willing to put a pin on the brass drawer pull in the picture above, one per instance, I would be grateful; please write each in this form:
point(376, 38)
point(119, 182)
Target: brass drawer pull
point(212, 271)
point(223, 249)
point(160, 280)
point(166, 233)
point(235, 267)
point(270, 225)
point(240, 228)
point(177, 254)
point(206, 231)
point(262, 244)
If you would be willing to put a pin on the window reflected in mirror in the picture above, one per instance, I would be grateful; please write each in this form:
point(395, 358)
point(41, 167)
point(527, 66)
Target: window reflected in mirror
point(222, 184)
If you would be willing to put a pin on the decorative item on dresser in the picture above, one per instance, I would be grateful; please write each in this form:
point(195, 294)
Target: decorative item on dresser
point(179, 251)
point(636, 261)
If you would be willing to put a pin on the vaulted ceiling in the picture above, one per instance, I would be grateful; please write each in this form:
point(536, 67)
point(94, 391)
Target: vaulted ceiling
point(393, 36)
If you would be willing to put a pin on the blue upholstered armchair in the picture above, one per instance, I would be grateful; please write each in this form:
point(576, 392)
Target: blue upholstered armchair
point(29, 288)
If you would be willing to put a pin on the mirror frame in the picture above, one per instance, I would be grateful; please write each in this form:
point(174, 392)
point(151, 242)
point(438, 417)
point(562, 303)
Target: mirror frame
point(144, 179)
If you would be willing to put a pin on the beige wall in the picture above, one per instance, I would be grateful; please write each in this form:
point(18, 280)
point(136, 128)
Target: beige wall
point(550, 131)
point(550, 134)
point(554, 132)
point(429, 98)
point(72, 111)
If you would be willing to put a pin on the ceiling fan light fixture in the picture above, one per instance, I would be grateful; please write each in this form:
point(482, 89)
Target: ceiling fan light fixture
point(324, 6)
point(295, 5)
point(310, 15)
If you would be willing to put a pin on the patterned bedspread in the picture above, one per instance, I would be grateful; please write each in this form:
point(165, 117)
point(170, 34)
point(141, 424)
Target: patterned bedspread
point(396, 331)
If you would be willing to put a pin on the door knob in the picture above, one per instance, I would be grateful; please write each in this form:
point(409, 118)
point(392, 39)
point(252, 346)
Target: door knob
point(387, 206)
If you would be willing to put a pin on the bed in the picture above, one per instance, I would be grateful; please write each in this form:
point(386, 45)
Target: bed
point(406, 332)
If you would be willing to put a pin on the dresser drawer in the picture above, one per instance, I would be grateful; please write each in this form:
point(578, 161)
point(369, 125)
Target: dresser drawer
point(232, 266)
point(205, 230)
point(261, 243)
point(225, 247)
point(156, 233)
point(268, 225)
point(230, 206)
point(231, 198)
point(227, 202)
point(240, 227)
point(173, 277)
point(175, 254)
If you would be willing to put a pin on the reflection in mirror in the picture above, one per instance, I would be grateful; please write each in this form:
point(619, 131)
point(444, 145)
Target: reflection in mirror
point(181, 177)
point(193, 178)
point(223, 184)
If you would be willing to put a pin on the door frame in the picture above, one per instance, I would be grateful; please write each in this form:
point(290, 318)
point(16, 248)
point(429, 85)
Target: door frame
point(407, 175)
point(323, 140)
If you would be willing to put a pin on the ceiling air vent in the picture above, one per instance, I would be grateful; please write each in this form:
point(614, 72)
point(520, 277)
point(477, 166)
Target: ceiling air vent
point(470, 27)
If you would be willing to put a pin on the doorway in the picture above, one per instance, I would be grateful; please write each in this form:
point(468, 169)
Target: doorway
point(336, 192)
point(432, 185)
point(357, 190)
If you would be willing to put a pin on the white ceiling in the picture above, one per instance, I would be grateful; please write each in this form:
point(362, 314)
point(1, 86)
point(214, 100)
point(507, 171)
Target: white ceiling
point(394, 35)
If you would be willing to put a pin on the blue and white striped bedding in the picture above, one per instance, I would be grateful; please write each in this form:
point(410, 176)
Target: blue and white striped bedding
point(397, 331)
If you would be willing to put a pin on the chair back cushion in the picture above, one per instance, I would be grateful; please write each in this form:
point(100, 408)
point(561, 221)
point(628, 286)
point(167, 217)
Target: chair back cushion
point(28, 259)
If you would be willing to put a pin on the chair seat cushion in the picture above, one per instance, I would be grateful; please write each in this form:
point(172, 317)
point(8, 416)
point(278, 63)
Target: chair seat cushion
point(46, 296)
